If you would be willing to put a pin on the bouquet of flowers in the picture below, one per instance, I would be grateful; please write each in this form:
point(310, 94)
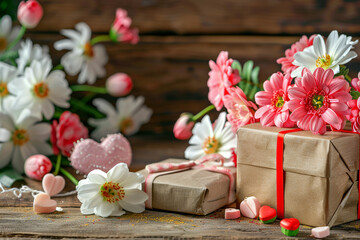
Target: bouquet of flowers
point(313, 91)
point(38, 111)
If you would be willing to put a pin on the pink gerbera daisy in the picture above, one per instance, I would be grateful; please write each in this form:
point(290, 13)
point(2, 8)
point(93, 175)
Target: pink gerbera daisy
point(221, 77)
point(240, 110)
point(274, 102)
point(355, 114)
point(287, 61)
point(355, 83)
point(319, 99)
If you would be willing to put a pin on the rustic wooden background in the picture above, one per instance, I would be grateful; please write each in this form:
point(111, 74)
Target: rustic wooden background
point(169, 66)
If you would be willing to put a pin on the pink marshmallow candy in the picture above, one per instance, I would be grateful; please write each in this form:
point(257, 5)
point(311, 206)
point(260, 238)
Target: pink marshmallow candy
point(250, 207)
point(43, 203)
point(320, 232)
point(232, 213)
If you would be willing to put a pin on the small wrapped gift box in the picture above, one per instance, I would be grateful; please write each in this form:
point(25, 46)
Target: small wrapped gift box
point(313, 178)
point(194, 190)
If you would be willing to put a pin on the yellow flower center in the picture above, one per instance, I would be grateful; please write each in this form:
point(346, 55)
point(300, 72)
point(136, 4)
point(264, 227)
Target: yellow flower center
point(324, 62)
point(20, 137)
point(41, 90)
point(112, 192)
point(88, 50)
point(211, 145)
point(3, 89)
point(3, 43)
point(125, 124)
point(317, 101)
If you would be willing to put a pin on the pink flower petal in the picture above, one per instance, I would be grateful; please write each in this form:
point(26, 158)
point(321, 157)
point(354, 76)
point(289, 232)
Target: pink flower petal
point(316, 125)
point(342, 96)
point(277, 121)
point(263, 98)
point(298, 114)
point(329, 116)
point(336, 85)
point(318, 73)
point(267, 119)
point(308, 82)
point(339, 107)
point(327, 77)
point(294, 104)
point(261, 111)
point(268, 87)
point(276, 80)
point(296, 92)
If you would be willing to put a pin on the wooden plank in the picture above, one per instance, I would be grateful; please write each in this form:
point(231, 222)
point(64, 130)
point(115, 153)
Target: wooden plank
point(208, 16)
point(72, 224)
point(146, 150)
point(171, 72)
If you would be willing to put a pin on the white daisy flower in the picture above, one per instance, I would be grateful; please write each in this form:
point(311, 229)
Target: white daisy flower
point(107, 194)
point(335, 52)
point(207, 139)
point(39, 89)
point(7, 32)
point(129, 115)
point(84, 58)
point(21, 137)
point(7, 74)
point(29, 52)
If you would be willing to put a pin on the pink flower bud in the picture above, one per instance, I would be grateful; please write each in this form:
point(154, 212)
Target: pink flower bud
point(37, 166)
point(183, 127)
point(119, 84)
point(29, 13)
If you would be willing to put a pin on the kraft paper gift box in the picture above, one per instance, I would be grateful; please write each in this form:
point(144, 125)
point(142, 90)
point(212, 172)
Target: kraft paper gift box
point(320, 173)
point(194, 191)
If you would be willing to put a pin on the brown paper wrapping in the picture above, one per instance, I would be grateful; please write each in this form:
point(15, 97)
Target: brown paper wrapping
point(191, 191)
point(321, 180)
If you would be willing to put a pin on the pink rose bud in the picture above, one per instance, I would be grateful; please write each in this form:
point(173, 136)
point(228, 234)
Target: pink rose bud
point(29, 13)
point(119, 84)
point(37, 166)
point(183, 127)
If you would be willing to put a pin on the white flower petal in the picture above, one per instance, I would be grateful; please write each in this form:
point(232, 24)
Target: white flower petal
point(87, 191)
point(17, 160)
point(104, 106)
point(6, 150)
point(5, 135)
point(118, 173)
point(134, 196)
point(97, 176)
point(135, 208)
point(133, 180)
point(105, 209)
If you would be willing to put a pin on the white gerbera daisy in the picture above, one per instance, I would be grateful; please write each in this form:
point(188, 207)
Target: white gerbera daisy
point(29, 52)
point(7, 32)
point(85, 58)
point(335, 52)
point(107, 194)
point(129, 115)
point(39, 89)
point(208, 140)
point(7, 74)
point(21, 137)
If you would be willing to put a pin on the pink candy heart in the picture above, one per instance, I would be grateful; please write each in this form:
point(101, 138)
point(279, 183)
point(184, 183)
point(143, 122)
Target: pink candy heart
point(250, 207)
point(89, 155)
point(43, 204)
point(53, 185)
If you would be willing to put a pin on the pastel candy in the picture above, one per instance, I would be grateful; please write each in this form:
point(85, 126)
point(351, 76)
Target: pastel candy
point(232, 213)
point(290, 226)
point(43, 203)
point(52, 185)
point(250, 207)
point(320, 232)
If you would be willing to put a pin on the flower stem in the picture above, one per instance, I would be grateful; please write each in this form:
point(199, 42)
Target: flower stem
point(69, 176)
point(86, 108)
point(202, 113)
point(347, 77)
point(58, 164)
point(17, 39)
point(100, 38)
point(58, 67)
point(86, 88)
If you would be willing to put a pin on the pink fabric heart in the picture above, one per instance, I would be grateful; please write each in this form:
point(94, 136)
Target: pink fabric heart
point(43, 203)
point(250, 207)
point(89, 155)
point(53, 185)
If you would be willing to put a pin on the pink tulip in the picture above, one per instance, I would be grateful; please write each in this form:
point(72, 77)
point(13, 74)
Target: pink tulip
point(29, 13)
point(37, 166)
point(183, 127)
point(119, 84)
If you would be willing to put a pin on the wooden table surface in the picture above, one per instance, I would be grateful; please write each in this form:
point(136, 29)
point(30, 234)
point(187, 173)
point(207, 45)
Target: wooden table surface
point(17, 219)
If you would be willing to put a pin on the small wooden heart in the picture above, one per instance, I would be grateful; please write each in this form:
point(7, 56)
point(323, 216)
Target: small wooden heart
point(53, 185)
point(43, 204)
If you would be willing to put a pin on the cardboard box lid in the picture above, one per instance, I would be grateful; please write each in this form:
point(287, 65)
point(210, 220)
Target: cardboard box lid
point(304, 152)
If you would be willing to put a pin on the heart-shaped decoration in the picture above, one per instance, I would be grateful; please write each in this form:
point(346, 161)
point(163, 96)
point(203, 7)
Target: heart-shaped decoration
point(53, 185)
point(290, 226)
point(43, 203)
point(89, 154)
point(267, 214)
point(250, 207)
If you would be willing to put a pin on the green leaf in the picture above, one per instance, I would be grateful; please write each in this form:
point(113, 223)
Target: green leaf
point(355, 94)
point(255, 75)
point(253, 91)
point(247, 70)
point(236, 65)
point(10, 178)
